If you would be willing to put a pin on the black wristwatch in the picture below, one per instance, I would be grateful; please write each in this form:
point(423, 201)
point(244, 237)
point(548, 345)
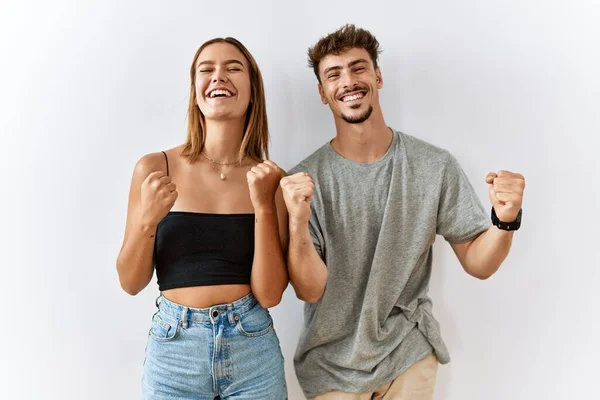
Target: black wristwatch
point(507, 226)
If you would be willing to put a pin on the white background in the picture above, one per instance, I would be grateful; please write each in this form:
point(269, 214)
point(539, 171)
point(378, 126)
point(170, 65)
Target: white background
point(86, 88)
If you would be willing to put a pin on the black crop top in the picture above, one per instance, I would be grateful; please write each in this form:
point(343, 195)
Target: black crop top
point(193, 249)
point(196, 249)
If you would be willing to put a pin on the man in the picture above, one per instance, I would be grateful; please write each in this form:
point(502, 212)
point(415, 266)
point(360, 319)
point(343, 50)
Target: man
point(361, 236)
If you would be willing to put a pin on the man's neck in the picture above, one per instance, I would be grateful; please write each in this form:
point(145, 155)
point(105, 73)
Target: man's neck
point(366, 142)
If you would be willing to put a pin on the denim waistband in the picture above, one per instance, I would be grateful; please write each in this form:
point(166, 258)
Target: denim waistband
point(185, 314)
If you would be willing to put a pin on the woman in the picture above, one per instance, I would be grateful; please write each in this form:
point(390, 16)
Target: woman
point(209, 216)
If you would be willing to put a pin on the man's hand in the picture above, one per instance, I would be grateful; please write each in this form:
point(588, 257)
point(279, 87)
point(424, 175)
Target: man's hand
point(298, 191)
point(506, 194)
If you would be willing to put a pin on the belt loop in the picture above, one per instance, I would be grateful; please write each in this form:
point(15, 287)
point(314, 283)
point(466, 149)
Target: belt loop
point(184, 318)
point(230, 315)
point(157, 302)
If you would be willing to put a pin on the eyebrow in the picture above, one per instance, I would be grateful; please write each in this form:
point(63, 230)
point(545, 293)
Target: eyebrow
point(350, 65)
point(227, 62)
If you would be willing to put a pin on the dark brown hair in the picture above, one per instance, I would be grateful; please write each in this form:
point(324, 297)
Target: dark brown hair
point(345, 38)
point(255, 142)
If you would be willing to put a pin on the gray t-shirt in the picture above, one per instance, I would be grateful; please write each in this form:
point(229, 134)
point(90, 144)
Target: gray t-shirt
point(374, 225)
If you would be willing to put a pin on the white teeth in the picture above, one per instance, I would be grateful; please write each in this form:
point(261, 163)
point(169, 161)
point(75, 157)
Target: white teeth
point(220, 92)
point(353, 97)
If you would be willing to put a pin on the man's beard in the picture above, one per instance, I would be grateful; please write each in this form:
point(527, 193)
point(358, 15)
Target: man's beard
point(360, 119)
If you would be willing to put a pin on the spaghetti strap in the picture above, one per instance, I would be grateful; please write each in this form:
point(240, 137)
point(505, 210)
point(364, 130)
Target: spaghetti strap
point(167, 162)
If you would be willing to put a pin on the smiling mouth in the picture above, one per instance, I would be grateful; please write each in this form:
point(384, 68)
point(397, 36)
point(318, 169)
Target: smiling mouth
point(219, 93)
point(352, 97)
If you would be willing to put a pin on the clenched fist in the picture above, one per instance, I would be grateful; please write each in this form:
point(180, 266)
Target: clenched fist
point(298, 191)
point(157, 197)
point(506, 194)
point(263, 180)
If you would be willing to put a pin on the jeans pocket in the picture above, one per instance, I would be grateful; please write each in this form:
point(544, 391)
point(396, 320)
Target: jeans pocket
point(162, 330)
point(256, 322)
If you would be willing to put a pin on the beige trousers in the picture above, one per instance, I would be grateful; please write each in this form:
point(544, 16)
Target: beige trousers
point(416, 383)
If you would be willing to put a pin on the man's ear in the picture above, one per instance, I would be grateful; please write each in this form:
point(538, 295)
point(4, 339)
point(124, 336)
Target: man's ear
point(379, 78)
point(322, 94)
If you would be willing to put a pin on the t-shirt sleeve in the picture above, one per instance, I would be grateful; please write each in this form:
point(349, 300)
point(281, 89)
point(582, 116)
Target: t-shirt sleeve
point(461, 216)
point(316, 234)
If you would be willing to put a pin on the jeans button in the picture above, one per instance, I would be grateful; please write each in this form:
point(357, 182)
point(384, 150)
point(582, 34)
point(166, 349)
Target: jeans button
point(215, 313)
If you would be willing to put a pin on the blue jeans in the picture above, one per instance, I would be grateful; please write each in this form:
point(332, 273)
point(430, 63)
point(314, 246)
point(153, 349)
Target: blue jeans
point(227, 351)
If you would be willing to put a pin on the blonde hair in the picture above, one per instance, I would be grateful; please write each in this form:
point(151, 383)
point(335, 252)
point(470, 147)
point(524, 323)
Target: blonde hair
point(255, 140)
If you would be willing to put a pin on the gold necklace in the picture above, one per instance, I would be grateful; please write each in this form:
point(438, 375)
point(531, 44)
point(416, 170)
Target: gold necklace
point(213, 162)
point(220, 162)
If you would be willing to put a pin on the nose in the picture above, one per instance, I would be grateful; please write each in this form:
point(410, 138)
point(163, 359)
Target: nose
point(348, 80)
point(219, 76)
